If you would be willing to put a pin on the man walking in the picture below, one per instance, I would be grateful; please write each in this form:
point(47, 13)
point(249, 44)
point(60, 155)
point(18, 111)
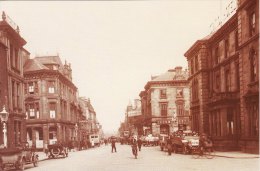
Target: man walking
point(113, 144)
point(139, 143)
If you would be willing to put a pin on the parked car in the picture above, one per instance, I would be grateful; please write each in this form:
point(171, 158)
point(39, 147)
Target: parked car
point(151, 140)
point(18, 157)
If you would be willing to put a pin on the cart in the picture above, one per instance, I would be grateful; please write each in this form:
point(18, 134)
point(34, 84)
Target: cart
point(18, 157)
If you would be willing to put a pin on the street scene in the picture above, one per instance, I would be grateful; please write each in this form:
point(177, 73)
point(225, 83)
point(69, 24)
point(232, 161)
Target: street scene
point(129, 85)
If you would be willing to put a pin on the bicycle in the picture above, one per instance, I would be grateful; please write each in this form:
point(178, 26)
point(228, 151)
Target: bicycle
point(197, 152)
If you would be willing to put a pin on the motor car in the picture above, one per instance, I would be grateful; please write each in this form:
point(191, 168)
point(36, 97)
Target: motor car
point(184, 143)
point(18, 157)
point(151, 140)
point(56, 150)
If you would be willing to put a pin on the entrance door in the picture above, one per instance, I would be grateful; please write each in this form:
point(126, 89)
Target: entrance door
point(164, 129)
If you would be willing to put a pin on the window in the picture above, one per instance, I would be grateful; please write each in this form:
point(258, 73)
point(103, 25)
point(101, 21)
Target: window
point(180, 109)
point(237, 77)
point(216, 55)
point(52, 107)
point(254, 120)
point(18, 95)
point(252, 24)
point(228, 81)
point(11, 55)
point(51, 85)
point(163, 94)
point(31, 111)
point(236, 40)
point(226, 47)
point(217, 82)
point(253, 65)
point(164, 108)
point(191, 66)
point(16, 59)
point(196, 63)
point(230, 122)
point(31, 88)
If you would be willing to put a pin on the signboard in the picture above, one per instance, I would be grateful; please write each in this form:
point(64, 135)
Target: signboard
point(160, 122)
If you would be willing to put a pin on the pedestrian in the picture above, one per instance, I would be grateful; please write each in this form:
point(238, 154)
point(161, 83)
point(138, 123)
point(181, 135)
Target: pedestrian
point(139, 142)
point(113, 144)
point(92, 143)
point(169, 146)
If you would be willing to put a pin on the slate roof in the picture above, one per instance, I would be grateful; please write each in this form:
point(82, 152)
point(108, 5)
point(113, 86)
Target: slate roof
point(33, 65)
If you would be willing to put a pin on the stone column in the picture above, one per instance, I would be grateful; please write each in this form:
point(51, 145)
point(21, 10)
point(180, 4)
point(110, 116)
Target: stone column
point(45, 129)
point(33, 137)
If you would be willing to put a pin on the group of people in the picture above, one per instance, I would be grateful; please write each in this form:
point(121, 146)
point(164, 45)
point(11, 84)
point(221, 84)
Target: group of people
point(136, 145)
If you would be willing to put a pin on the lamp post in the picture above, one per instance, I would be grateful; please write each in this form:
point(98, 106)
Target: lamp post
point(4, 117)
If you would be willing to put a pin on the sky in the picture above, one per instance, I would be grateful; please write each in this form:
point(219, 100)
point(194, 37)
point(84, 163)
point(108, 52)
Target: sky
point(114, 47)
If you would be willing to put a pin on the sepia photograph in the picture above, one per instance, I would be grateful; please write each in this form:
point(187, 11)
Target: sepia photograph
point(129, 85)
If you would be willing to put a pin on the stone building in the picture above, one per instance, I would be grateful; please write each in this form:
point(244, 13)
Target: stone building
point(224, 81)
point(91, 124)
point(12, 57)
point(165, 103)
point(51, 101)
point(133, 118)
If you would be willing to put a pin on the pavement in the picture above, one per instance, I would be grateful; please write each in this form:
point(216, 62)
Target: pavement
point(230, 154)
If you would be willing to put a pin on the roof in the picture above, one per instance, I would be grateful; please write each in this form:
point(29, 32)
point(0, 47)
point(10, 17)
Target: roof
point(170, 75)
point(49, 60)
point(33, 65)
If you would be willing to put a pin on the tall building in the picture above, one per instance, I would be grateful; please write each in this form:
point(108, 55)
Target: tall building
point(165, 103)
point(224, 81)
point(133, 118)
point(12, 57)
point(51, 101)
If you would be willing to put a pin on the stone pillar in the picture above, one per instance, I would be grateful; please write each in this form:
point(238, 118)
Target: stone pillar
point(33, 137)
point(45, 129)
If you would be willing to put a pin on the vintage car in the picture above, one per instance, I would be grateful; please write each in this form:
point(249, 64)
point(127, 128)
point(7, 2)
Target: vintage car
point(56, 150)
point(18, 157)
point(184, 143)
point(150, 140)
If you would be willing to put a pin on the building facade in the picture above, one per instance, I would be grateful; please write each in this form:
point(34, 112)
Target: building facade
point(51, 102)
point(165, 103)
point(224, 81)
point(12, 57)
point(134, 118)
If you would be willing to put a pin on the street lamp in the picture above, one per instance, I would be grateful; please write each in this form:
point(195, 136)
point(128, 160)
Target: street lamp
point(4, 117)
